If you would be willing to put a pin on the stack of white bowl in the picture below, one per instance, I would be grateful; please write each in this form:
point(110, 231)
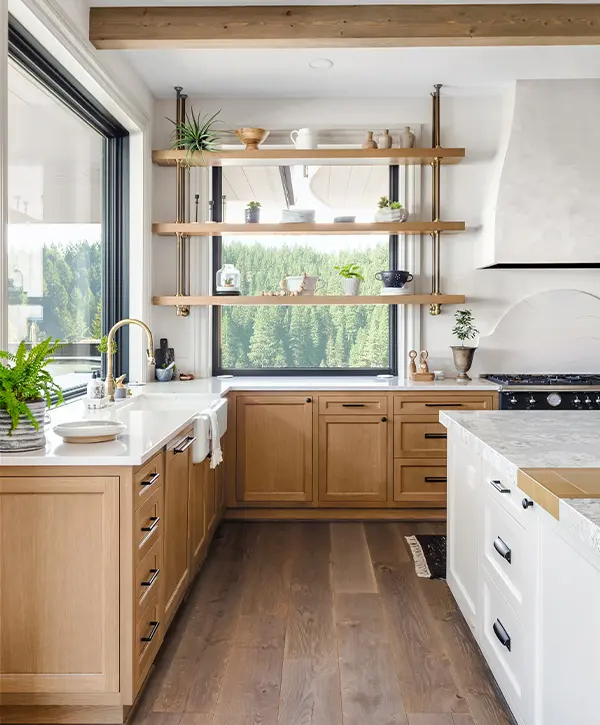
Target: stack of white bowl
point(297, 216)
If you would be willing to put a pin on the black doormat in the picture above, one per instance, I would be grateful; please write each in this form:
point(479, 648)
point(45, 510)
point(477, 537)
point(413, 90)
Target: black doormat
point(429, 554)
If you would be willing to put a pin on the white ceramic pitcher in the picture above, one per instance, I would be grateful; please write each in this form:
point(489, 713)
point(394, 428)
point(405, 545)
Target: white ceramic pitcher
point(304, 138)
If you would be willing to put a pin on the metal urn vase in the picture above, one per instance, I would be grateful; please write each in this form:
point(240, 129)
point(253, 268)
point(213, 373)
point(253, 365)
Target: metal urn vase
point(463, 359)
point(24, 437)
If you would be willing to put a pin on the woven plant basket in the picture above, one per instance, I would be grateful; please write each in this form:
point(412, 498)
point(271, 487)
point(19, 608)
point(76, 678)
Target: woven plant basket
point(24, 437)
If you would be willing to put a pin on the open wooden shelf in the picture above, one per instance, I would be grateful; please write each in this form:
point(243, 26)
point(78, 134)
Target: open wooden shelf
point(167, 229)
point(310, 300)
point(310, 157)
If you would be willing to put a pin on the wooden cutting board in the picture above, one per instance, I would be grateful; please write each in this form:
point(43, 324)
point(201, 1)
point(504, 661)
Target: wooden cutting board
point(546, 486)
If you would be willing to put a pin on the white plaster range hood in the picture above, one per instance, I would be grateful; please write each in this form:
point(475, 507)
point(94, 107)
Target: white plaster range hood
point(544, 208)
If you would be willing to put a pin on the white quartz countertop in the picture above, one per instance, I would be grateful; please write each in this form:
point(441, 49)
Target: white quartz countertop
point(510, 440)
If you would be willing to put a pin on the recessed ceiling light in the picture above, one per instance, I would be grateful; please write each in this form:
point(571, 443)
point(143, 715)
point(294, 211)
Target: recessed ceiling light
point(321, 64)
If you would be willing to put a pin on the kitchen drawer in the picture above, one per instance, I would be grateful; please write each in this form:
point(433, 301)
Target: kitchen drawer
point(354, 404)
point(507, 494)
point(148, 523)
point(508, 555)
point(423, 404)
point(148, 577)
point(419, 436)
point(149, 633)
point(512, 662)
point(419, 482)
point(148, 478)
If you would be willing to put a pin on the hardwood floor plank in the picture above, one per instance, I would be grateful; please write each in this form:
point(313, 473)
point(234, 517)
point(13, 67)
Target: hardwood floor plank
point(461, 718)
point(162, 718)
point(261, 631)
point(352, 568)
point(310, 625)
point(430, 719)
point(310, 692)
point(196, 718)
point(426, 677)
point(370, 688)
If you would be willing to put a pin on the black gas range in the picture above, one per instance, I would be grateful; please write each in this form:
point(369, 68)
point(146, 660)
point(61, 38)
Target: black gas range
point(548, 392)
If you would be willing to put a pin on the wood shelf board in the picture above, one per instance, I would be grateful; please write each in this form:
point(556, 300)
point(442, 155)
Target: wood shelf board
point(194, 301)
point(216, 229)
point(311, 157)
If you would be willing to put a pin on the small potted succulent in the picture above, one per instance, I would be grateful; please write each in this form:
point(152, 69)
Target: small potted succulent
point(390, 211)
point(351, 275)
point(464, 329)
point(26, 388)
point(253, 212)
point(195, 133)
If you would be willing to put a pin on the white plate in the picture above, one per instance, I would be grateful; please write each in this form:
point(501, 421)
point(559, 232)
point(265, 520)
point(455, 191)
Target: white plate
point(89, 431)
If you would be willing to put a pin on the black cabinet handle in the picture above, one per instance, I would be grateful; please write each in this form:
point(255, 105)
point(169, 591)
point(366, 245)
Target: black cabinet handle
point(151, 480)
point(150, 637)
point(153, 578)
point(436, 479)
point(309, 400)
point(502, 634)
point(527, 503)
point(503, 549)
point(353, 405)
point(384, 419)
point(499, 486)
point(186, 445)
point(153, 525)
point(443, 405)
point(435, 435)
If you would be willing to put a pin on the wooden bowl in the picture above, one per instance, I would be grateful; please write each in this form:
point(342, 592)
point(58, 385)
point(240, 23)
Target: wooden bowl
point(251, 137)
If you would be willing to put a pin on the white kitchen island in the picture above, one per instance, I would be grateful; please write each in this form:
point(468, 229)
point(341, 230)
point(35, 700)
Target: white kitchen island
point(524, 565)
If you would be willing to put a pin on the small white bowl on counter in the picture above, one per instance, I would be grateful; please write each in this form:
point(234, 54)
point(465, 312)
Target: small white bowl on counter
point(89, 431)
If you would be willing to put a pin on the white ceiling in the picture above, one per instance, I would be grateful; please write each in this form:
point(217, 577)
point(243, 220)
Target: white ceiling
point(364, 72)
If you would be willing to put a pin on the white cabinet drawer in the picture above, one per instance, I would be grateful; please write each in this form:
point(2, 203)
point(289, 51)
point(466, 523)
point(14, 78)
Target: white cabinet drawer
point(506, 493)
point(505, 644)
point(507, 551)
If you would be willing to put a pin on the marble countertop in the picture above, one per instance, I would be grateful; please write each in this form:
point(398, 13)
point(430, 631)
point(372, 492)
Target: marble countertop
point(509, 440)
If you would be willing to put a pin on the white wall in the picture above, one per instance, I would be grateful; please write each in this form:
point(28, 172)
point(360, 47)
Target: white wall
point(476, 122)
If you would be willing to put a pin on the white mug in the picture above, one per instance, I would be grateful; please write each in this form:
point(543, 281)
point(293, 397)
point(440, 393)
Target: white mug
point(304, 138)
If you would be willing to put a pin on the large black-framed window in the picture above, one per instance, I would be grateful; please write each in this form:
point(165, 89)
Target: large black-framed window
point(38, 64)
point(217, 259)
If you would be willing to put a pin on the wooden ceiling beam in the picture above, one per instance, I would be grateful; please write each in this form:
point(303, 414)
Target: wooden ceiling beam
point(359, 26)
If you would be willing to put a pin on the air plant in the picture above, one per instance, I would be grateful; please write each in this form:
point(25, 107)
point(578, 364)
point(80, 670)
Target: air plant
point(196, 133)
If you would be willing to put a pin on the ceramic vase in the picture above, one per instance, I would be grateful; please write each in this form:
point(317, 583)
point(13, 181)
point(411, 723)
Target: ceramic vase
point(407, 138)
point(351, 286)
point(24, 437)
point(384, 140)
point(463, 359)
point(391, 215)
point(369, 143)
point(253, 215)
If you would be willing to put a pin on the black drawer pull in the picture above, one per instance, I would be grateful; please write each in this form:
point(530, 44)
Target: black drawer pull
point(153, 525)
point(443, 405)
point(436, 479)
point(502, 634)
point(153, 578)
point(150, 637)
point(499, 486)
point(353, 405)
point(436, 435)
point(503, 549)
point(186, 445)
point(308, 400)
point(153, 479)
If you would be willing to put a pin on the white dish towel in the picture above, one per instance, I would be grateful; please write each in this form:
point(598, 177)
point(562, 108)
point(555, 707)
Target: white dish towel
point(216, 455)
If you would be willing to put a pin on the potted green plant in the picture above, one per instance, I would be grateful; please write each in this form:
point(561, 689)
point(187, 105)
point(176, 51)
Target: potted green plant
point(464, 329)
point(253, 212)
point(390, 211)
point(26, 388)
point(351, 275)
point(195, 133)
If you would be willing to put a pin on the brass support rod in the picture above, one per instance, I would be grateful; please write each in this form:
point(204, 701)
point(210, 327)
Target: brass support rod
point(181, 257)
point(435, 309)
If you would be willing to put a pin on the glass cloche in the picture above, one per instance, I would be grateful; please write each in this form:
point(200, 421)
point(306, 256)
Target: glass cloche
point(228, 280)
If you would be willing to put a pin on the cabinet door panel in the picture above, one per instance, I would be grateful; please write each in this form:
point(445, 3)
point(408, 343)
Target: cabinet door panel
point(419, 436)
point(274, 454)
point(197, 523)
point(353, 465)
point(210, 496)
point(420, 483)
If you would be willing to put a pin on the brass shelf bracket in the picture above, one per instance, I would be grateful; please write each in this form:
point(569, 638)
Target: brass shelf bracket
point(434, 308)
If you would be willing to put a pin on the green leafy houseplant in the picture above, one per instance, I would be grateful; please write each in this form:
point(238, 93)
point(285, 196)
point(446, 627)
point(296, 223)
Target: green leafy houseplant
point(102, 346)
point(385, 203)
point(196, 133)
point(464, 327)
point(349, 271)
point(253, 205)
point(25, 380)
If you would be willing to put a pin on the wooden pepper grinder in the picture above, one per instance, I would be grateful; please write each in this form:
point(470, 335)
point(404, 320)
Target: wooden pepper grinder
point(412, 366)
point(423, 376)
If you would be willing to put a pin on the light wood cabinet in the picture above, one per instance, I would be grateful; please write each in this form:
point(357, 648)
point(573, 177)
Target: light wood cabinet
point(274, 448)
point(176, 529)
point(419, 436)
point(421, 482)
point(197, 524)
point(210, 497)
point(353, 459)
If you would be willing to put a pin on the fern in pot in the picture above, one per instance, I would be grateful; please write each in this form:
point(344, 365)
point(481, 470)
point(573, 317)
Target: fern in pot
point(26, 388)
point(464, 329)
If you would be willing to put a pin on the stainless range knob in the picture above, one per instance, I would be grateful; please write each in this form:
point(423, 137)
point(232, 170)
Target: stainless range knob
point(587, 401)
point(513, 400)
point(531, 400)
point(597, 401)
point(576, 400)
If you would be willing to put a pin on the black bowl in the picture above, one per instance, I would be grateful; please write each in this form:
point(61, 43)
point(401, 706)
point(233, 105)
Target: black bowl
point(394, 277)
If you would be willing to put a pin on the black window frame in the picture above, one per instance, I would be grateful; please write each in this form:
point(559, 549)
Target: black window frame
point(216, 206)
point(29, 54)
